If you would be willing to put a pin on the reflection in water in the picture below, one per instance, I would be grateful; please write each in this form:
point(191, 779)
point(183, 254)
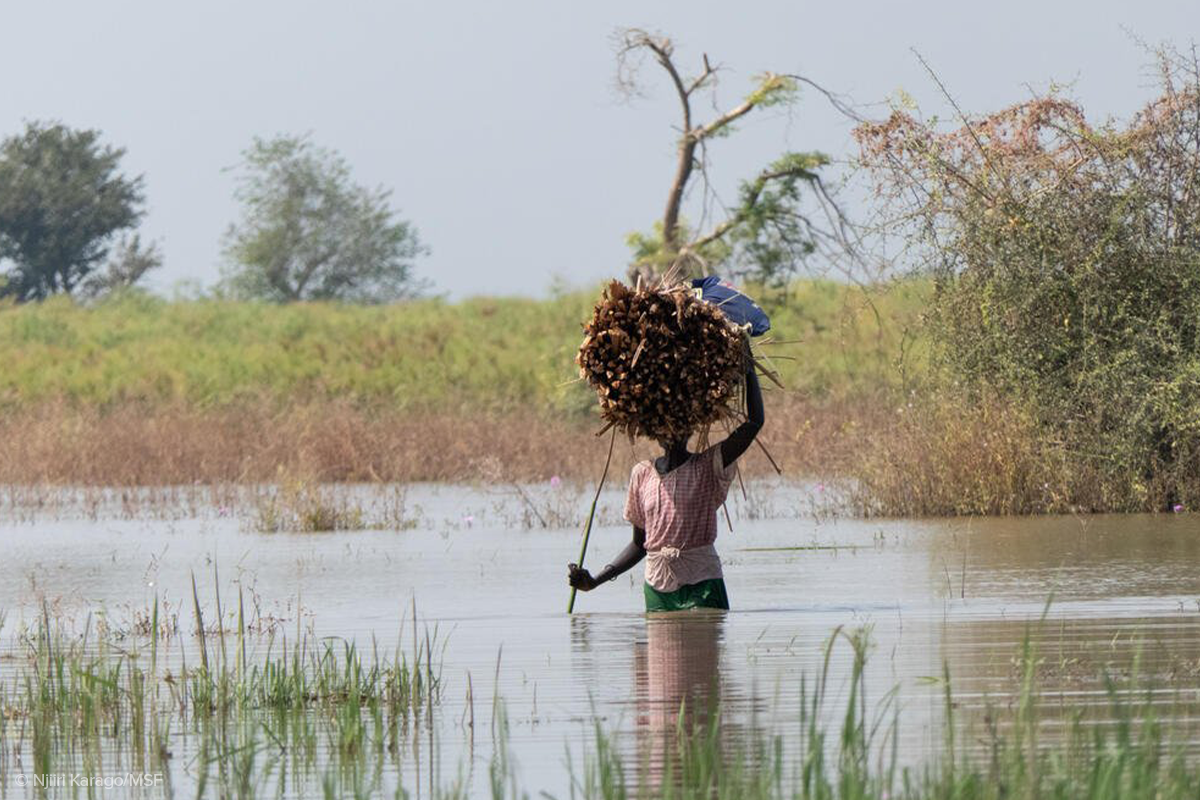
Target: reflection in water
point(1121, 618)
point(682, 685)
point(677, 672)
point(1104, 563)
point(687, 693)
point(677, 669)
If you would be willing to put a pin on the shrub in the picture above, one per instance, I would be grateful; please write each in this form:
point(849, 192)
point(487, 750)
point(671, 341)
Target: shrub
point(1066, 261)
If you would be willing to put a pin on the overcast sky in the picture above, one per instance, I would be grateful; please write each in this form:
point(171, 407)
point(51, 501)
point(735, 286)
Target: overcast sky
point(497, 124)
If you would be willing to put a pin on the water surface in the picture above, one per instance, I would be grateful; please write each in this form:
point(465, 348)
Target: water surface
point(1100, 596)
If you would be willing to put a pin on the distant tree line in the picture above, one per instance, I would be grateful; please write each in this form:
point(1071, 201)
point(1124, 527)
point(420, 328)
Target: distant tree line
point(308, 231)
point(68, 219)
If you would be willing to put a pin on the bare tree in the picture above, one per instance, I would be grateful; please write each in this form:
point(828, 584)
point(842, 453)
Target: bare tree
point(767, 233)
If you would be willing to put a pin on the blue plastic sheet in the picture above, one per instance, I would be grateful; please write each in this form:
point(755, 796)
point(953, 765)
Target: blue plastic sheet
point(739, 308)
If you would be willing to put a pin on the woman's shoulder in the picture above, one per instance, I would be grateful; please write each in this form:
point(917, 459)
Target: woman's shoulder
point(714, 459)
point(710, 456)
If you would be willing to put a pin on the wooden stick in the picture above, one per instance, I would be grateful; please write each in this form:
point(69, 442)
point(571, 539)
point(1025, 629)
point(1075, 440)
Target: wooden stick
point(587, 530)
point(767, 372)
point(767, 453)
point(638, 353)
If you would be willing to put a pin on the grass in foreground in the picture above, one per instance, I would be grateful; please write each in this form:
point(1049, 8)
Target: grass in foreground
point(315, 719)
point(1133, 754)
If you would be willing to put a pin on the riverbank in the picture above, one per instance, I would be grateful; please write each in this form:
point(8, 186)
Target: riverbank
point(478, 355)
point(145, 392)
point(142, 391)
point(331, 441)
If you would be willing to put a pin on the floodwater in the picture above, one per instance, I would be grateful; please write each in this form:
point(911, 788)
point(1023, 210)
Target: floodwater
point(1109, 595)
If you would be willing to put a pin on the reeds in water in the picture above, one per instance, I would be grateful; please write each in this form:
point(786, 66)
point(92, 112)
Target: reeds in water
point(326, 717)
point(1133, 754)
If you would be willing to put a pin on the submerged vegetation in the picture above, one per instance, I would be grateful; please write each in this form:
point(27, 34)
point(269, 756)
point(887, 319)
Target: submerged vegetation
point(296, 505)
point(1001, 755)
point(248, 720)
point(310, 717)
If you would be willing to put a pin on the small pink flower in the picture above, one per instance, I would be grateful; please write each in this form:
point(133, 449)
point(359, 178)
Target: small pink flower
point(1178, 508)
point(468, 519)
point(820, 487)
point(555, 481)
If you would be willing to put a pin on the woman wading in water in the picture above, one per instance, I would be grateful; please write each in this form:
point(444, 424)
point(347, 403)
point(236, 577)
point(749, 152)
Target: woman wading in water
point(672, 505)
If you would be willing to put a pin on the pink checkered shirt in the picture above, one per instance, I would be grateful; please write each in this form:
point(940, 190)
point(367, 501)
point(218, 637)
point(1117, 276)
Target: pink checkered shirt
point(678, 511)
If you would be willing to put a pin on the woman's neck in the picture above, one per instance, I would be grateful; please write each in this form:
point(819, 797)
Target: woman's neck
point(673, 455)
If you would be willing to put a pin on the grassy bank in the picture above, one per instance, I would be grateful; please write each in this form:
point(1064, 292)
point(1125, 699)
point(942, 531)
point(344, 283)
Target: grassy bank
point(490, 354)
point(145, 391)
point(142, 391)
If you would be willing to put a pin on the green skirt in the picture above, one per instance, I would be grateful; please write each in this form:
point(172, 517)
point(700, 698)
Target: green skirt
point(705, 594)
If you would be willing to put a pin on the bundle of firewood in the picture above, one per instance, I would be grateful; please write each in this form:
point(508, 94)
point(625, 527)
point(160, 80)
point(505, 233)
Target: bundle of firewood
point(664, 363)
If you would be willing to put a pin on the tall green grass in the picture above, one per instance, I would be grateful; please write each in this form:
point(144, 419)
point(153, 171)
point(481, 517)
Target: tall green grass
point(480, 353)
point(1134, 754)
point(88, 685)
point(256, 720)
point(323, 718)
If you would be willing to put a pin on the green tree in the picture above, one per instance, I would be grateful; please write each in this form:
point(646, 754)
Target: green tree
point(768, 235)
point(62, 199)
point(131, 259)
point(310, 233)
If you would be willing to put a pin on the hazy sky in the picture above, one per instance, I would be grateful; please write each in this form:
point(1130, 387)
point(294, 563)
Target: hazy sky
point(496, 124)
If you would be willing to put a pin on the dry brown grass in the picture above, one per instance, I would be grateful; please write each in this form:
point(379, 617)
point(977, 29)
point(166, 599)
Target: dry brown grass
point(336, 442)
point(931, 457)
point(946, 456)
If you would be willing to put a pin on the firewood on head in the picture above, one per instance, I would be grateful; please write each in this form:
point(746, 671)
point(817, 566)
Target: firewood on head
point(664, 363)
